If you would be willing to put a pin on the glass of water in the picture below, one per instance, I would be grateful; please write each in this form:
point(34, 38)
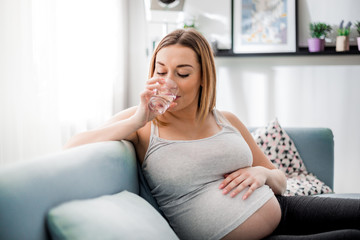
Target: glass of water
point(163, 96)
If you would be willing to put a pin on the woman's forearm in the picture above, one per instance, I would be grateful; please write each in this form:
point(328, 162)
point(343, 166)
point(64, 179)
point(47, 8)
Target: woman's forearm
point(276, 180)
point(116, 131)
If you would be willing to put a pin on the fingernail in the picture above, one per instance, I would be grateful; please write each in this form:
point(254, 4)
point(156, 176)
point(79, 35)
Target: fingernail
point(244, 197)
point(224, 191)
point(232, 194)
point(221, 186)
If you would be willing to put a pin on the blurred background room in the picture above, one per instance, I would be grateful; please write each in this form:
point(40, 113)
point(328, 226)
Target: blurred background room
point(67, 66)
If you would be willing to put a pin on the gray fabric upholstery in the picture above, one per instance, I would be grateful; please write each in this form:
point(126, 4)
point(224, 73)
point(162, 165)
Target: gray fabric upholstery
point(28, 190)
point(341, 195)
point(316, 148)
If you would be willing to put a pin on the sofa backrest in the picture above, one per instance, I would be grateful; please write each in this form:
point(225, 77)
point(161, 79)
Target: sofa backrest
point(316, 148)
point(28, 190)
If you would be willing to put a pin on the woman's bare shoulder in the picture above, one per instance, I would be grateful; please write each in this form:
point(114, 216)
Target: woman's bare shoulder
point(233, 119)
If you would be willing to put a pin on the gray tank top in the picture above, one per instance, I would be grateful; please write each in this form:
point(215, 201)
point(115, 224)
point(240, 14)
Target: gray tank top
point(184, 177)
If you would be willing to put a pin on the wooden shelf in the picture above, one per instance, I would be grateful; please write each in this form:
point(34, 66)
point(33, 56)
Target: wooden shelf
point(301, 51)
point(329, 51)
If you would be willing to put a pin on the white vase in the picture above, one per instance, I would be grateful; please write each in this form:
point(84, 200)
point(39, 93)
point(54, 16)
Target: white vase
point(342, 43)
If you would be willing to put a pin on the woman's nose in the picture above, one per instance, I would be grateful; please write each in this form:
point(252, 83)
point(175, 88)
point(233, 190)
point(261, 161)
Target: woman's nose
point(171, 75)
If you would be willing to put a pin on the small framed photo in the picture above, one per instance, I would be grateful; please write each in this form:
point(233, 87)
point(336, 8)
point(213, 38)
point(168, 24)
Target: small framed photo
point(264, 26)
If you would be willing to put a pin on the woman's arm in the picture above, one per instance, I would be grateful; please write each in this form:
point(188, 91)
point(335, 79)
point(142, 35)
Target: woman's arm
point(262, 171)
point(124, 125)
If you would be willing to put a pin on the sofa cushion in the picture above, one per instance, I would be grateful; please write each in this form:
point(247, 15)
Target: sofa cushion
point(120, 216)
point(341, 195)
point(281, 151)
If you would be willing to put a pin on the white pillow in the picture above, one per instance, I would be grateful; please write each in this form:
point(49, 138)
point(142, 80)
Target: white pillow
point(121, 216)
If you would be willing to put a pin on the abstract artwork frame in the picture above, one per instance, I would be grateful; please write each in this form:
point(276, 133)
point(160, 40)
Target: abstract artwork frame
point(264, 26)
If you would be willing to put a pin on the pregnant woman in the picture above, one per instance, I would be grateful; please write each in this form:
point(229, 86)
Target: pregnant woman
point(202, 165)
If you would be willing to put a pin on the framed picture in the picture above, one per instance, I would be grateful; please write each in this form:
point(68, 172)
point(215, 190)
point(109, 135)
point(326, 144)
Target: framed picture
point(264, 26)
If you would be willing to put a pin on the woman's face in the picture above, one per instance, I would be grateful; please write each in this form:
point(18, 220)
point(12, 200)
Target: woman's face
point(180, 64)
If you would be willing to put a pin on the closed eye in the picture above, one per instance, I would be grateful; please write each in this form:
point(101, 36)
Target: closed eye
point(183, 75)
point(161, 74)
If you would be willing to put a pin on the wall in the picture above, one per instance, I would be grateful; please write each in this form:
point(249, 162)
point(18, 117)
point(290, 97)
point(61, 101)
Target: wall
point(302, 91)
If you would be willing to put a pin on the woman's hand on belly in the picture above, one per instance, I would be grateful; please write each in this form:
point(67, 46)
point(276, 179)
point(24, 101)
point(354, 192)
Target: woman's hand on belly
point(252, 177)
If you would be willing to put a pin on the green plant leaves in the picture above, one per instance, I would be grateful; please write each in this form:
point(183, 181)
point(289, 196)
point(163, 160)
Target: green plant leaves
point(344, 31)
point(319, 29)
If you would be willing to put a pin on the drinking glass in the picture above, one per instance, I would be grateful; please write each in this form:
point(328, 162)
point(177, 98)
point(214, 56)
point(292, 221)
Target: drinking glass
point(163, 96)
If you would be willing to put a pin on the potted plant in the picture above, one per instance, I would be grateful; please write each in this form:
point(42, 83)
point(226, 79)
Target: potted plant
point(357, 25)
point(342, 40)
point(318, 32)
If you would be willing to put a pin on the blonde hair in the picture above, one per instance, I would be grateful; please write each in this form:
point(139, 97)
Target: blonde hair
point(193, 39)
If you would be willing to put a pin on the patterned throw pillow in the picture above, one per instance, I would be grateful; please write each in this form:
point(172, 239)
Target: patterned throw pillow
point(279, 148)
point(305, 184)
point(282, 152)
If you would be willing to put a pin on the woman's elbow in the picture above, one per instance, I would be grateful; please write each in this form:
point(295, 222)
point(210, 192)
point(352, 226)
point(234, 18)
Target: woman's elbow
point(75, 141)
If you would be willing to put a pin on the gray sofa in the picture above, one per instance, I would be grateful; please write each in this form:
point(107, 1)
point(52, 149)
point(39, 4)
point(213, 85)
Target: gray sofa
point(28, 190)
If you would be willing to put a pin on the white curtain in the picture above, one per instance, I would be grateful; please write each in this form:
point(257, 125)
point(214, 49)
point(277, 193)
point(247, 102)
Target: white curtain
point(61, 64)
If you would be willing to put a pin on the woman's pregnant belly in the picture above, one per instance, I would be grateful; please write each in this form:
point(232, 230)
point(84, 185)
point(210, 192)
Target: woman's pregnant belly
point(259, 225)
point(209, 214)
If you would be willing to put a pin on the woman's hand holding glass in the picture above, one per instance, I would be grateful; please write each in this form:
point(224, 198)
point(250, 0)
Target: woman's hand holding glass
point(146, 111)
point(252, 177)
point(163, 97)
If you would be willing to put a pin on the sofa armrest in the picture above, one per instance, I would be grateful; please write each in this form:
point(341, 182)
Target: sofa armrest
point(29, 189)
point(316, 148)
